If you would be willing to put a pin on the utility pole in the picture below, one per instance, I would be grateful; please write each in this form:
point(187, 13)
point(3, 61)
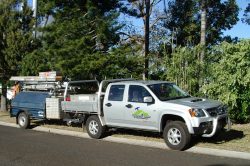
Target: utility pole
point(34, 8)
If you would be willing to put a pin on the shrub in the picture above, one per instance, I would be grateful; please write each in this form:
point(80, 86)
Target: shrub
point(229, 79)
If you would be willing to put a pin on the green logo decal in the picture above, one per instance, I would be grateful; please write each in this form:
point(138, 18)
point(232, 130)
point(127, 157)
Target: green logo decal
point(140, 114)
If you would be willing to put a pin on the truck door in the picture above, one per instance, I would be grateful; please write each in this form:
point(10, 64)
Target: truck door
point(112, 106)
point(138, 113)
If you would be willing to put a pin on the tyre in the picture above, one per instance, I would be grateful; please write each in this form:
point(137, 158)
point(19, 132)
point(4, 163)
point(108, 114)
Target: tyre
point(23, 120)
point(95, 128)
point(176, 135)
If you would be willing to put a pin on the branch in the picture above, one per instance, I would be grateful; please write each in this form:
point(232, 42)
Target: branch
point(165, 7)
point(132, 37)
point(123, 33)
point(155, 2)
point(156, 20)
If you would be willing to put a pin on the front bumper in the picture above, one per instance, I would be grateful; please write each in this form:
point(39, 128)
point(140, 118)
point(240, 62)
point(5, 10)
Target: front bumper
point(208, 127)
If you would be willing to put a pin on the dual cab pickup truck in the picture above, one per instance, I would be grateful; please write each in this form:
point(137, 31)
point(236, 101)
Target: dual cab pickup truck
point(155, 106)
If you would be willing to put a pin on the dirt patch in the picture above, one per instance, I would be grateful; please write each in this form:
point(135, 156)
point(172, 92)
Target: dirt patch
point(5, 117)
point(237, 139)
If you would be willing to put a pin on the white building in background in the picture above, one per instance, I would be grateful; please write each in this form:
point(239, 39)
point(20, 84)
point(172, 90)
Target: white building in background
point(9, 92)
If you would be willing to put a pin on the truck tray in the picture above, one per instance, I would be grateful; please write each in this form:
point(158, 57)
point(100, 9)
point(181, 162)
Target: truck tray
point(87, 106)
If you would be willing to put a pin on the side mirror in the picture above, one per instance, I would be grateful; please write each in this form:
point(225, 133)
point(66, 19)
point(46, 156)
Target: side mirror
point(148, 99)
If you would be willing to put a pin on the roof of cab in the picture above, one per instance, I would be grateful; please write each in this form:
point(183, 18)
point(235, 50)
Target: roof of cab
point(149, 82)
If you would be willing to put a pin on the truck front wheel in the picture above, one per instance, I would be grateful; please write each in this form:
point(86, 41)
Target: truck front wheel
point(23, 120)
point(94, 127)
point(176, 135)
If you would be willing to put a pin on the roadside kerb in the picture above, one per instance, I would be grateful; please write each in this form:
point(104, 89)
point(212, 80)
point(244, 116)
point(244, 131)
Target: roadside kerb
point(145, 143)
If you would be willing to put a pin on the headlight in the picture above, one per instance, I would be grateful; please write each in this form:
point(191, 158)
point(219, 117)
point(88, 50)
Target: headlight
point(222, 110)
point(195, 112)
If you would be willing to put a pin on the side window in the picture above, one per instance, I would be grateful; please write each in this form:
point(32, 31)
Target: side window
point(116, 93)
point(137, 93)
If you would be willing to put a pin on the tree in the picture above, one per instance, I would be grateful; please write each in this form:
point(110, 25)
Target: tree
point(183, 68)
point(142, 9)
point(246, 18)
point(79, 40)
point(229, 79)
point(16, 39)
point(181, 21)
point(184, 17)
point(124, 62)
point(194, 22)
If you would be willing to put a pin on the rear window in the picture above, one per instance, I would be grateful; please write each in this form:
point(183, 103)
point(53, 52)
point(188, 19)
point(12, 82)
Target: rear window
point(83, 88)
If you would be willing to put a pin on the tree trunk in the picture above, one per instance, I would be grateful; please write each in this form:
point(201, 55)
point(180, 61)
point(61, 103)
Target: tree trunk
point(146, 43)
point(3, 103)
point(34, 8)
point(203, 29)
point(3, 97)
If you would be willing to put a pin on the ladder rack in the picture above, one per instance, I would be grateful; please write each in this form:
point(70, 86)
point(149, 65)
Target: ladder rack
point(46, 81)
point(36, 78)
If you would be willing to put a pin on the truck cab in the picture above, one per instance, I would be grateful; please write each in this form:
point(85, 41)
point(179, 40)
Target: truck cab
point(131, 105)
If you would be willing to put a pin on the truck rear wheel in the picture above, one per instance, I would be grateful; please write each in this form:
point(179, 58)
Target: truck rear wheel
point(23, 120)
point(94, 127)
point(176, 135)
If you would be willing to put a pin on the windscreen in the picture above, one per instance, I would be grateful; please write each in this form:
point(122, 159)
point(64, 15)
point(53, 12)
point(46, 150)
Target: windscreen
point(168, 91)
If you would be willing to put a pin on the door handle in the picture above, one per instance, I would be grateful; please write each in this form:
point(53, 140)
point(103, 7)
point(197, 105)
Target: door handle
point(129, 106)
point(108, 104)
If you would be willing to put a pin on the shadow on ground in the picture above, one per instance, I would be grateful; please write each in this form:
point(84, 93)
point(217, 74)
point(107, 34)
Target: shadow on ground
point(61, 124)
point(224, 136)
point(36, 123)
point(220, 138)
point(135, 133)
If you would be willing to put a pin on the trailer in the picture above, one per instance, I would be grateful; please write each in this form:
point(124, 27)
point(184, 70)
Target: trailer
point(47, 97)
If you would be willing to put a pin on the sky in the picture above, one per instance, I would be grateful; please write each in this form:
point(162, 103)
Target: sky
point(240, 30)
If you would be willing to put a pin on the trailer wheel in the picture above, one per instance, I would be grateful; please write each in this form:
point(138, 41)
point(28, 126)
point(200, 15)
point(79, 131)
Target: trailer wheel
point(94, 127)
point(176, 135)
point(23, 120)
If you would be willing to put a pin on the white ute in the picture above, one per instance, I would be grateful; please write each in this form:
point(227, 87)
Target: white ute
point(156, 106)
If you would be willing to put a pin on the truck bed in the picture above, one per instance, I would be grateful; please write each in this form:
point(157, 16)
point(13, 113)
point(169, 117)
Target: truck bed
point(81, 103)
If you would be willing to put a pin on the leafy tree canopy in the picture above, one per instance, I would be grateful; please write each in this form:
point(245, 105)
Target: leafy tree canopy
point(16, 38)
point(183, 20)
point(182, 68)
point(246, 18)
point(229, 79)
point(81, 42)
